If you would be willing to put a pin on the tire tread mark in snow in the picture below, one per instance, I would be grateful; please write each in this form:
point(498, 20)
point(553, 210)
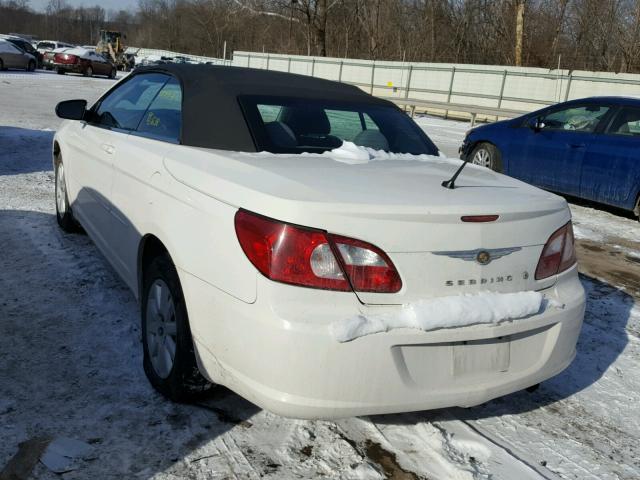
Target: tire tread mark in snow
point(548, 475)
point(239, 465)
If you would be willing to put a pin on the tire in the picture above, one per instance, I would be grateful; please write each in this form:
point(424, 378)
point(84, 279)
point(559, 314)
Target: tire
point(32, 66)
point(486, 155)
point(88, 72)
point(60, 72)
point(1, 65)
point(113, 73)
point(64, 215)
point(165, 329)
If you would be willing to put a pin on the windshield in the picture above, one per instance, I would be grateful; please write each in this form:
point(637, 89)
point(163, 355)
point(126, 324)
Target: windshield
point(296, 125)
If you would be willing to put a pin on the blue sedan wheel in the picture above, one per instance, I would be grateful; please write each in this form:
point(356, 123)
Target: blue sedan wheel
point(487, 155)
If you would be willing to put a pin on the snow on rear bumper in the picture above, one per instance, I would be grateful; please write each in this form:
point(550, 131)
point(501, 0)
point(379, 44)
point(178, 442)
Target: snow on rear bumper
point(279, 354)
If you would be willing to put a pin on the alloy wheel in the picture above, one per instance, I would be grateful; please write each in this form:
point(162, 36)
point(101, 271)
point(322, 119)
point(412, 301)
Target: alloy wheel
point(161, 328)
point(61, 190)
point(482, 157)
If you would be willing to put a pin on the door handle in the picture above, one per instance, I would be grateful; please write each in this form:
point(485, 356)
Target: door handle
point(576, 145)
point(108, 148)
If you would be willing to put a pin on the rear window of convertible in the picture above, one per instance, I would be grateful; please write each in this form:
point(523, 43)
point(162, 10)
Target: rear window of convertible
point(297, 125)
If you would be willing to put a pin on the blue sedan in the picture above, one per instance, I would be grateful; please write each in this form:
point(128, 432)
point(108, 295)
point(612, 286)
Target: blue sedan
point(588, 148)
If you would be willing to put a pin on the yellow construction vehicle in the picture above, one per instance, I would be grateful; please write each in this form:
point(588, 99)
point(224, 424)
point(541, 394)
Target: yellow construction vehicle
point(111, 46)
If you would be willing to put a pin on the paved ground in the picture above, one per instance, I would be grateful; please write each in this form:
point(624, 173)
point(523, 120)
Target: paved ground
point(71, 362)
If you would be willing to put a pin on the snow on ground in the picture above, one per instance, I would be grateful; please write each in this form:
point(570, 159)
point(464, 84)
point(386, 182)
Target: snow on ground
point(595, 224)
point(71, 359)
point(446, 134)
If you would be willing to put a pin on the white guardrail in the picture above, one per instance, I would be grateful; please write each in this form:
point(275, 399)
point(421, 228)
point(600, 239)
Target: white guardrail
point(141, 53)
point(474, 90)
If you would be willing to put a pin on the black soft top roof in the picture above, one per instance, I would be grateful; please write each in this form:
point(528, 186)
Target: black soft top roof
point(211, 114)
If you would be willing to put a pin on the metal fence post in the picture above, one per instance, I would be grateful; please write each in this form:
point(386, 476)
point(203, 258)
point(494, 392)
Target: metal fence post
point(504, 80)
point(267, 61)
point(453, 74)
point(313, 66)
point(566, 95)
point(249, 61)
point(340, 71)
point(289, 65)
point(373, 73)
point(408, 85)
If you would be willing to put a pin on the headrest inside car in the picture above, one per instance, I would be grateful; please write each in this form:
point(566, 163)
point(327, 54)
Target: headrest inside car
point(304, 120)
point(280, 134)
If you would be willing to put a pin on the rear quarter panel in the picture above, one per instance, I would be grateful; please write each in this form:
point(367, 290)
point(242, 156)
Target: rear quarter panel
point(197, 230)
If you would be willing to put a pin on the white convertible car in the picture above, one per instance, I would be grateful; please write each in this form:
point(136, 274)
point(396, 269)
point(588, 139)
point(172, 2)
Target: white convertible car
point(304, 244)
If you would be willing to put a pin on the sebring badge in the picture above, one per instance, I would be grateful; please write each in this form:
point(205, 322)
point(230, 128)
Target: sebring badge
point(483, 256)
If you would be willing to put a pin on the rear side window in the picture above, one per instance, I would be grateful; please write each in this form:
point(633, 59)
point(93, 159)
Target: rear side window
point(583, 118)
point(26, 46)
point(626, 122)
point(8, 47)
point(19, 44)
point(124, 107)
point(46, 45)
point(163, 119)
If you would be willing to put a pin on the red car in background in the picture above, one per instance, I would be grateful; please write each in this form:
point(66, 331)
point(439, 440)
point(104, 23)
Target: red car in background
point(83, 61)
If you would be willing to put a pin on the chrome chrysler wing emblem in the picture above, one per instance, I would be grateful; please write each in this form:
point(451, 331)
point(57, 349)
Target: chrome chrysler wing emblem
point(483, 256)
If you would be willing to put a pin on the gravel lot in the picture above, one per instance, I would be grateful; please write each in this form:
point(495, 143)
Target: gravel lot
point(72, 367)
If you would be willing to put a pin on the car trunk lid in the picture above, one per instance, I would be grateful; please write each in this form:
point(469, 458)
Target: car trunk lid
point(400, 206)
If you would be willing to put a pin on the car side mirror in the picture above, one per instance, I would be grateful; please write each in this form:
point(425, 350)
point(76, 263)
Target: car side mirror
point(536, 124)
point(71, 109)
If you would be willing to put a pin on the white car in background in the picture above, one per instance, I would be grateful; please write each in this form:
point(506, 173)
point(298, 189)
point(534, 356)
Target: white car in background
point(44, 46)
point(302, 243)
point(48, 48)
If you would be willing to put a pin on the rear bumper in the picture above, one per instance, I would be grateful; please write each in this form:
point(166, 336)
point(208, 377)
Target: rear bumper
point(70, 68)
point(278, 353)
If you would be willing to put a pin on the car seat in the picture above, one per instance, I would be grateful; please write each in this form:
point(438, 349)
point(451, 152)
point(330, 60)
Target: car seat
point(310, 125)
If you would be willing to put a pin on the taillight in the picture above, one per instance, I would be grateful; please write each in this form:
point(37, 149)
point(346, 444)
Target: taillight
point(558, 253)
point(313, 258)
point(368, 268)
point(65, 58)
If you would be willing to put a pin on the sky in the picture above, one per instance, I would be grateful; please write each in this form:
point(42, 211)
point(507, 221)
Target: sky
point(106, 4)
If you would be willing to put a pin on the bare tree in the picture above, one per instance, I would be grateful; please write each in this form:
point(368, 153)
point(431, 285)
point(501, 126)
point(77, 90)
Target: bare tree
point(519, 31)
point(587, 34)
